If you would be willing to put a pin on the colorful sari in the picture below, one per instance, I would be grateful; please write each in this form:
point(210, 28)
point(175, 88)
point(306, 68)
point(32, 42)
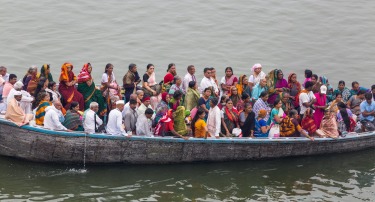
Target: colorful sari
point(345, 94)
point(161, 109)
point(191, 99)
point(73, 121)
point(41, 112)
point(231, 118)
point(32, 85)
point(231, 81)
point(321, 100)
point(286, 106)
point(308, 124)
point(43, 72)
point(69, 93)
point(111, 95)
point(179, 120)
point(273, 83)
point(295, 89)
point(329, 126)
point(90, 93)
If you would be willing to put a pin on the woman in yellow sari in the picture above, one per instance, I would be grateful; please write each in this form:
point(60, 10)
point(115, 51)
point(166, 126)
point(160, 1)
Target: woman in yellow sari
point(41, 110)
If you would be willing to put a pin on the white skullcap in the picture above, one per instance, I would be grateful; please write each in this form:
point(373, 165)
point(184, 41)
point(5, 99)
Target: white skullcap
point(120, 102)
point(17, 93)
point(18, 85)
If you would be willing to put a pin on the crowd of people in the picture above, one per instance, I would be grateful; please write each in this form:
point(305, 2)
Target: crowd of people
point(253, 105)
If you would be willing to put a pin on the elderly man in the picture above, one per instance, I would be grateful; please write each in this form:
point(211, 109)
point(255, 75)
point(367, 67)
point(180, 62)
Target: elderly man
point(114, 125)
point(4, 77)
point(91, 120)
point(258, 89)
point(131, 116)
point(14, 111)
point(189, 76)
point(27, 99)
point(208, 81)
point(146, 104)
point(130, 81)
point(144, 123)
point(52, 117)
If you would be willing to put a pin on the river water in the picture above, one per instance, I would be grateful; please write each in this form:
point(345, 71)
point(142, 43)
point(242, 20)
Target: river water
point(333, 38)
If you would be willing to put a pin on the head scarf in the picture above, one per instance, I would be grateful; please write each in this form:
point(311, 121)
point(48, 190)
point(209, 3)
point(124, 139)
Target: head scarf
point(271, 80)
point(146, 98)
point(43, 72)
point(64, 75)
point(84, 75)
point(255, 67)
point(262, 113)
point(164, 97)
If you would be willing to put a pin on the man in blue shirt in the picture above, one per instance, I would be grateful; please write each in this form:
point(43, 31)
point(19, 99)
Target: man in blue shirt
point(368, 113)
point(258, 89)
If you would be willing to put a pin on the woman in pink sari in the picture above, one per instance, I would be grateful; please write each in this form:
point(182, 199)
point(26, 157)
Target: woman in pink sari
point(67, 87)
point(276, 84)
point(320, 105)
point(110, 89)
point(228, 81)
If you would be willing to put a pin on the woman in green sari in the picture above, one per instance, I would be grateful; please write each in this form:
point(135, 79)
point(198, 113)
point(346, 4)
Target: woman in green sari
point(87, 88)
point(192, 96)
point(45, 72)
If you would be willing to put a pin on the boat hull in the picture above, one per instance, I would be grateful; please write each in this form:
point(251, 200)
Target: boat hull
point(40, 145)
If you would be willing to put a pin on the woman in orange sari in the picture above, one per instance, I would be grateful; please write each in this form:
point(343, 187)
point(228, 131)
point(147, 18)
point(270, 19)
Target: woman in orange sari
point(31, 79)
point(67, 88)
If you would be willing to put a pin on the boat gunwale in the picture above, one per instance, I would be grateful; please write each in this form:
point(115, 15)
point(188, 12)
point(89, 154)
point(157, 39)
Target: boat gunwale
point(286, 140)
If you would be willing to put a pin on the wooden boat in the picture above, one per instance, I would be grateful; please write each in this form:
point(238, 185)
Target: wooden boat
point(41, 145)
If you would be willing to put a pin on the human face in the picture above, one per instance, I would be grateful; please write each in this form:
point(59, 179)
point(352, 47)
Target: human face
point(45, 85)
point(192, 71)
point(313, 80)
point(140, 96)
point(89, 69)
point(178, 82)
point(263, 82)
point(234, 91)
point(202, 115)
point(3, 71)
point(110, 70)
point(47, 71)
point(148, 116)
point(58, 105)
point(294, 78)
point(258, 70)
point(341, 86)
point(265, 98)
point(279, 105)
point(47, 97)
point(247, 100)
point(69, 68)
point(229, 104)
point(356, 87)
point(244, 80)
point(369, 101)
point(338, 98)
point(207, 74)
point(133, 106)
point(18, 97)
point(361, 96)
point(280, 75)
point(285, 98)
point(207, 93)
point(134, 69)
point(76, 108)
point(95, 109)
point(146, 103)
point(167, 98)
point(249, 108)
point(54, 87)
point(13, 81)
point(120, 107)
point(228, 73)
point(172, 70)
point(151, 70)
point(213, 72)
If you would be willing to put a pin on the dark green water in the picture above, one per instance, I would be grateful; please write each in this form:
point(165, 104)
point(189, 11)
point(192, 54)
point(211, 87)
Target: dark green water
point(340, 177)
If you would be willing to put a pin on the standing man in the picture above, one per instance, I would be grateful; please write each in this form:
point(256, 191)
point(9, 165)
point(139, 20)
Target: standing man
point(114, 125)
point(131, 116)
point(208, 81)
point(91, 120)
point(306, 98)
point(4, 77)
point(188, 77)
point(214, 118)
point(144, 124)
point(130, 81)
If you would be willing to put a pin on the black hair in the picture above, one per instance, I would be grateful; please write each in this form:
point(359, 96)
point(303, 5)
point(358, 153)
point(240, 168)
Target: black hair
point(354, 82)
point(73, 105)
point(133, 101)
point(230, 68)
point(12, 76)
point(211, 68)
point(308, 84)
point(39, 86)
point(373, 87)
point(361, 92)
point(222, 99)
point(206, 69)
point(51, 84)
point(214, 101)
point(170, 65)
point(342, 82)
point(308, 73)
point(107, 67)
point(338, 93)
point(200, 111)
point(315, 76)
point(177, 94)
point(244, 96)
point(206, 89)
point(368, 96)
point(149, 111)
point(276, 102)
point(263, 94)
point(37, 100)
point(131, 66)
point(344, 115)
point(190, 67)
point(228, 100)
point(192, 84)
point(149, 65)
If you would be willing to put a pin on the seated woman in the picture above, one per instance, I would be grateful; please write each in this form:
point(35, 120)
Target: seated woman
point(354, 102)
point(41, 110)
point(328, 126)
point(229, 119)
point(294, 88)
point(165, 126)
point(345, 120)
point(192, 96)
point(289, 126)
point(223, 101)
point(53, 92)
point(333, 105)
point(110, 89)
point(31, 79)
point(243, 85)
point(149, 86)
point(228, 81)
point(177, 85)
point(261, 127)
point(67, 87)
point(169, 77)
point(247, 121)
point(245, 99)
point(198, 125)
point(308, 123)
point(343, 90)
point(162, 108)
point(276, 84)
point(87, 88)
point(14, 111)
point(46, 72)
point(234, 96)
point(73, 118)
point(176, 100)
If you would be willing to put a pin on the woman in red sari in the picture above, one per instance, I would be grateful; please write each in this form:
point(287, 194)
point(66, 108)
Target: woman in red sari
point(67, 88)
point(228, 81)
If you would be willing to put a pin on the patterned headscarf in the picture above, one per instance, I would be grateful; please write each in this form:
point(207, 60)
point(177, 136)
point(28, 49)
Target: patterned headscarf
point(43, 72)
point(84, 75)
point(64, 75)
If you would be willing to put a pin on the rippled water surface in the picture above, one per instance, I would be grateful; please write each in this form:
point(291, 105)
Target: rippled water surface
point(333, 38)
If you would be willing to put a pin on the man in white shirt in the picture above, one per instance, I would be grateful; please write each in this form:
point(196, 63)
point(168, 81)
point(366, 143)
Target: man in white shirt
point(4, 77)
point(91, 120)
point(189, 76)
point(144, 123)
point(208, 81)
point(51, 119)
point(306, 98)
point(27, 99)
point(214, 118)
point(114, 125)
point(146, 104)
